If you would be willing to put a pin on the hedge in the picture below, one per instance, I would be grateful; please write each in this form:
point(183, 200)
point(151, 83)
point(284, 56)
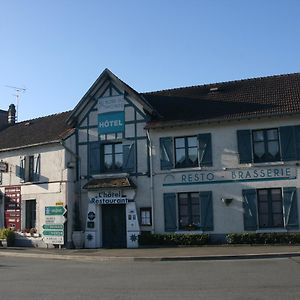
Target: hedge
point(263, 238)
point(173, 239)
point(8, 235)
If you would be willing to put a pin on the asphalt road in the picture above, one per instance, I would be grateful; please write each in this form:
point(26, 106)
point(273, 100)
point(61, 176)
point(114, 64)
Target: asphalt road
point(22, 278)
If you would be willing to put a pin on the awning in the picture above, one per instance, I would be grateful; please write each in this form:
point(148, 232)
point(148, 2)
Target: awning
point(109, 183)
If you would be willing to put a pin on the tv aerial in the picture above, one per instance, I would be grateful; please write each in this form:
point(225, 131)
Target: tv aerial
point(18, 91)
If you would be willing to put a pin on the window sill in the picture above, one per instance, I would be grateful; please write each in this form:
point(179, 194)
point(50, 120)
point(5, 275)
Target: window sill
point(262, 164)
point(190, 169)
point(189, 232)
point(271, 230)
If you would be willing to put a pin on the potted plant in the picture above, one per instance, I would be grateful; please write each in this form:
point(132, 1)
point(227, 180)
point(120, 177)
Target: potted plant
point(7, 237)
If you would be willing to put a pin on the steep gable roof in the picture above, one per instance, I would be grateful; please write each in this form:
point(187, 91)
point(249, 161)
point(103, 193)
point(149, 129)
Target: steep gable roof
point(38, 131)
point(89, 95)
point(257, 97)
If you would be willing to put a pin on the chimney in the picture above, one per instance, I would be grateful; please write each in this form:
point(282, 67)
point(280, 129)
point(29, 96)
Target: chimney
point(11, 114)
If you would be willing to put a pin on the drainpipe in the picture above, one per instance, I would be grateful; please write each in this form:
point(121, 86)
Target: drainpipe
point(151, 180)
point(77, 188)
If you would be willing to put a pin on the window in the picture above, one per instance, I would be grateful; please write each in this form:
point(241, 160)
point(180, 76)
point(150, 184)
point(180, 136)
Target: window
point(186, 152)
point(146, 216)
point(189, 211)
point(270, 208)
point(270, 213)
point(266, 145)
point(30, 217)
point(29, 169)
point(112, 157)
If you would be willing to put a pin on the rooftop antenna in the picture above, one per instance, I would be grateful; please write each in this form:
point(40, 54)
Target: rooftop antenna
point(18, 91)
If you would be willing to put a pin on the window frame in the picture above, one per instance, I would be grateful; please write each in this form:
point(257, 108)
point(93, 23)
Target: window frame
point(186, 151)
point(270, 210)
point(113, 154)
point(146, 209)
point(266, 141)
point(30, 213)
point(190, 212)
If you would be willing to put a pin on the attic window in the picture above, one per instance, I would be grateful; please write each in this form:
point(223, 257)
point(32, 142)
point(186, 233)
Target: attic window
point(27, 123)
point(213, 89)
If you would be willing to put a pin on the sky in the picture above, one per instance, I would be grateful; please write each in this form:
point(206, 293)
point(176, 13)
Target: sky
point(57, 49)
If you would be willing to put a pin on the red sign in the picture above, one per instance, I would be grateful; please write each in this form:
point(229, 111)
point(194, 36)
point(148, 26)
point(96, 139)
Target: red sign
point(12, 207)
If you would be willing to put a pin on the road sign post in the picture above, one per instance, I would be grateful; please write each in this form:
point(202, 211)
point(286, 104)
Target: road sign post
point(53, 229)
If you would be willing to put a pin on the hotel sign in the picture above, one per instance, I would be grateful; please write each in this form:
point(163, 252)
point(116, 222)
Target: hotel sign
point(108, 198)
point(111, 118)
point(230, 176)
point(111, 122)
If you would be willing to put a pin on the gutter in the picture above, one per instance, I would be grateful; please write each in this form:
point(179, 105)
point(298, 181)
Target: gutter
point(160, 124)
point(77, 188)
point(151, 180)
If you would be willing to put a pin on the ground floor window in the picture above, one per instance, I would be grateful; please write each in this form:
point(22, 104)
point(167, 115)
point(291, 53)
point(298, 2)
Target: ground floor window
point(30, 214)
point(146, 216)
point(270, 209)
point(189, 211)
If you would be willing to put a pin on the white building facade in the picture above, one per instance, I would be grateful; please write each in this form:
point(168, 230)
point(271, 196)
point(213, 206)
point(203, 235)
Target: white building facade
point(218, 159)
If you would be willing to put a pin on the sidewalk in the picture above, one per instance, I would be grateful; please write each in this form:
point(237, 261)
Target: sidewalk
point(158, 254)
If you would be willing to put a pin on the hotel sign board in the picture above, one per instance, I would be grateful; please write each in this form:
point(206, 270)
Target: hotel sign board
point(111, 118)
point(231, 176)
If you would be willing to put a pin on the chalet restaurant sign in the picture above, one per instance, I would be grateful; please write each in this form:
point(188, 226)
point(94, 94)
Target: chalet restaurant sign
point(108, 197)
point(230, 176)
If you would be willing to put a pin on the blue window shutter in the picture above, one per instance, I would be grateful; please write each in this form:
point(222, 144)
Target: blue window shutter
point(20, 170)
point(205, 149)
point(290, 208)
point(244, 146)
point(37, 168)
point(206, 204)
point(170, 211)
point(129, 158)
point(297, 141)
point(250, 209)
point(166, 153)
point(288, 143)
point(94, 158)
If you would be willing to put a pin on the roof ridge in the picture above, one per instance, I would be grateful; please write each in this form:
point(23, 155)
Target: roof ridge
point(43, 117)
point(222, 83)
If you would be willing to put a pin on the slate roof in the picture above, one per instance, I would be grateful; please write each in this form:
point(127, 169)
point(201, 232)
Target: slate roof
point(257, 97)
point(34, 132)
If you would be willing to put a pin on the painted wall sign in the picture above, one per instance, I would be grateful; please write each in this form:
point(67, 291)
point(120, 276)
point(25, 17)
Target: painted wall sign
point(110, 104)
point(112, 122)
point(229, 176)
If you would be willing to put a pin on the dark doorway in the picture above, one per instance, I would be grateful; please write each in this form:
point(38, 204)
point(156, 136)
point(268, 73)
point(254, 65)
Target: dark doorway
point(114, 226)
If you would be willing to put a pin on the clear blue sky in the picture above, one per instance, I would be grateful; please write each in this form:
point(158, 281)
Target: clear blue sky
point(58, 48)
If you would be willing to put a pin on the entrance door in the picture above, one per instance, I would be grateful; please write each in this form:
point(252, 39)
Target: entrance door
point(114, 226)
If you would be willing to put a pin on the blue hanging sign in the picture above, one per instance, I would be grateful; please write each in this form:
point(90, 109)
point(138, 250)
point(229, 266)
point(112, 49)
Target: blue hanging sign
point(111, 122)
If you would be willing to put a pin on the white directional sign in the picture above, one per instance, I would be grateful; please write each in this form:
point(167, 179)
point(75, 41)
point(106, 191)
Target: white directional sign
point(53, 232)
